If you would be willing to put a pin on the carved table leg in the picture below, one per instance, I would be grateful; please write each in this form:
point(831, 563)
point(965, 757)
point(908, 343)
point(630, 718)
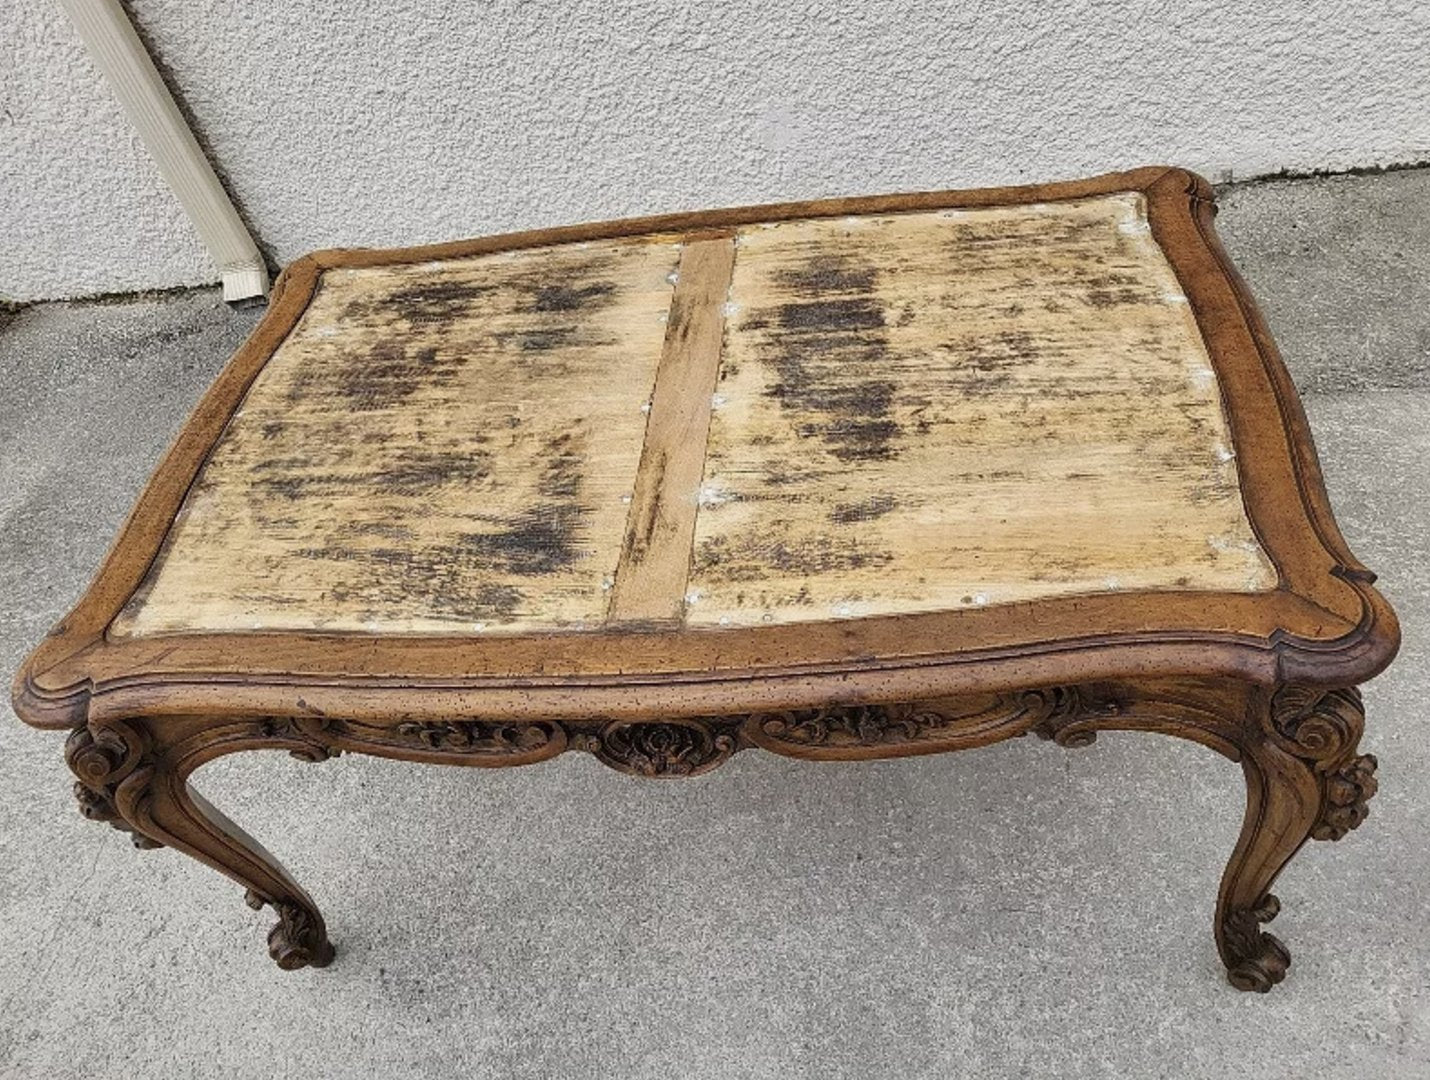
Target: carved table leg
point(1304, 780)
point(125, 779)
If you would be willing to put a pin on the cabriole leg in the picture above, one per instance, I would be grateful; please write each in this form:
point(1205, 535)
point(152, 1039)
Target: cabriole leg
point(128, 780)
point(1304, 780)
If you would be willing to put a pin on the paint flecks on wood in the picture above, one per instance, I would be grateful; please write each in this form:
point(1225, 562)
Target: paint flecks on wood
point(435, 447)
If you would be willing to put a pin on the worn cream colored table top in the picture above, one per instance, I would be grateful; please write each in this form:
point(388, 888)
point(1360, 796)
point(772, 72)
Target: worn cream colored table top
point(804, 420)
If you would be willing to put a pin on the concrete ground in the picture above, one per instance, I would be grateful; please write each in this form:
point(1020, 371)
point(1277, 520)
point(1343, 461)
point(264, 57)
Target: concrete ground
point(1022, 910)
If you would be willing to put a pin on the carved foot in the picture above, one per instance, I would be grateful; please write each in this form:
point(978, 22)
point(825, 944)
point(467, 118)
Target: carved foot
point(299, 939)
point(1255, 959)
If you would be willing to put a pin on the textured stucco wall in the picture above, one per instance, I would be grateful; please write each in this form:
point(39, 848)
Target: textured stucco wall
point(415, 120)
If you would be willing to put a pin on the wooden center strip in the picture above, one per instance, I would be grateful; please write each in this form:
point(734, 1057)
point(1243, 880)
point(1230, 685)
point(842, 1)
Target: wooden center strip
point(655, 558)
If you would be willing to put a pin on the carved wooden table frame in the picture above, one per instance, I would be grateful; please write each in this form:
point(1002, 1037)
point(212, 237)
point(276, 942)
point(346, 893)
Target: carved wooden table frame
point(1265, 679)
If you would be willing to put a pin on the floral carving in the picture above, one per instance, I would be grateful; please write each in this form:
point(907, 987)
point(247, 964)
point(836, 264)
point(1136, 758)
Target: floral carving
point(1048, 712)
point(478, 736)
point(98, 805)
point(1297, 745)
point(316, 736)
point(843, 725)
point(686, 746)
point(1347, 791)
point(1256, 960)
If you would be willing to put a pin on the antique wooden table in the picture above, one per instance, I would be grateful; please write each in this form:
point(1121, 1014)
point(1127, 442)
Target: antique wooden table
point(839, 480)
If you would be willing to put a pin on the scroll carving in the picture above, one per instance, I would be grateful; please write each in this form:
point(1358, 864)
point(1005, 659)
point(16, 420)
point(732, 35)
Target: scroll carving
point(105, 759)
point(1298, 746)
point(299, 939)
point(1305, 780)
point(1260, 959)
point(1316, 724)
point(1322, 727)
point(317, 737)
point(1068, 714)
point(688, 746)
point(308, 730)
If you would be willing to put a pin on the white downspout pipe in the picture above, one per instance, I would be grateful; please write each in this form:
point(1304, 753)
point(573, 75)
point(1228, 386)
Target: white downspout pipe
point(126, 65)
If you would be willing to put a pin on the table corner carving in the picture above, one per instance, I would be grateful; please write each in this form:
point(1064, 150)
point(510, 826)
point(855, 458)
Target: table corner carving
point(114, 770)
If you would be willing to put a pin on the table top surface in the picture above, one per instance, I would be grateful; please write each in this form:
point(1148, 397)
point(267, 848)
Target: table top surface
point(898, 435)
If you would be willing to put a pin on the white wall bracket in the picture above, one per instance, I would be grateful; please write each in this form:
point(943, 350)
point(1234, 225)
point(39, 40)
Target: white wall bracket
point(116, 50)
